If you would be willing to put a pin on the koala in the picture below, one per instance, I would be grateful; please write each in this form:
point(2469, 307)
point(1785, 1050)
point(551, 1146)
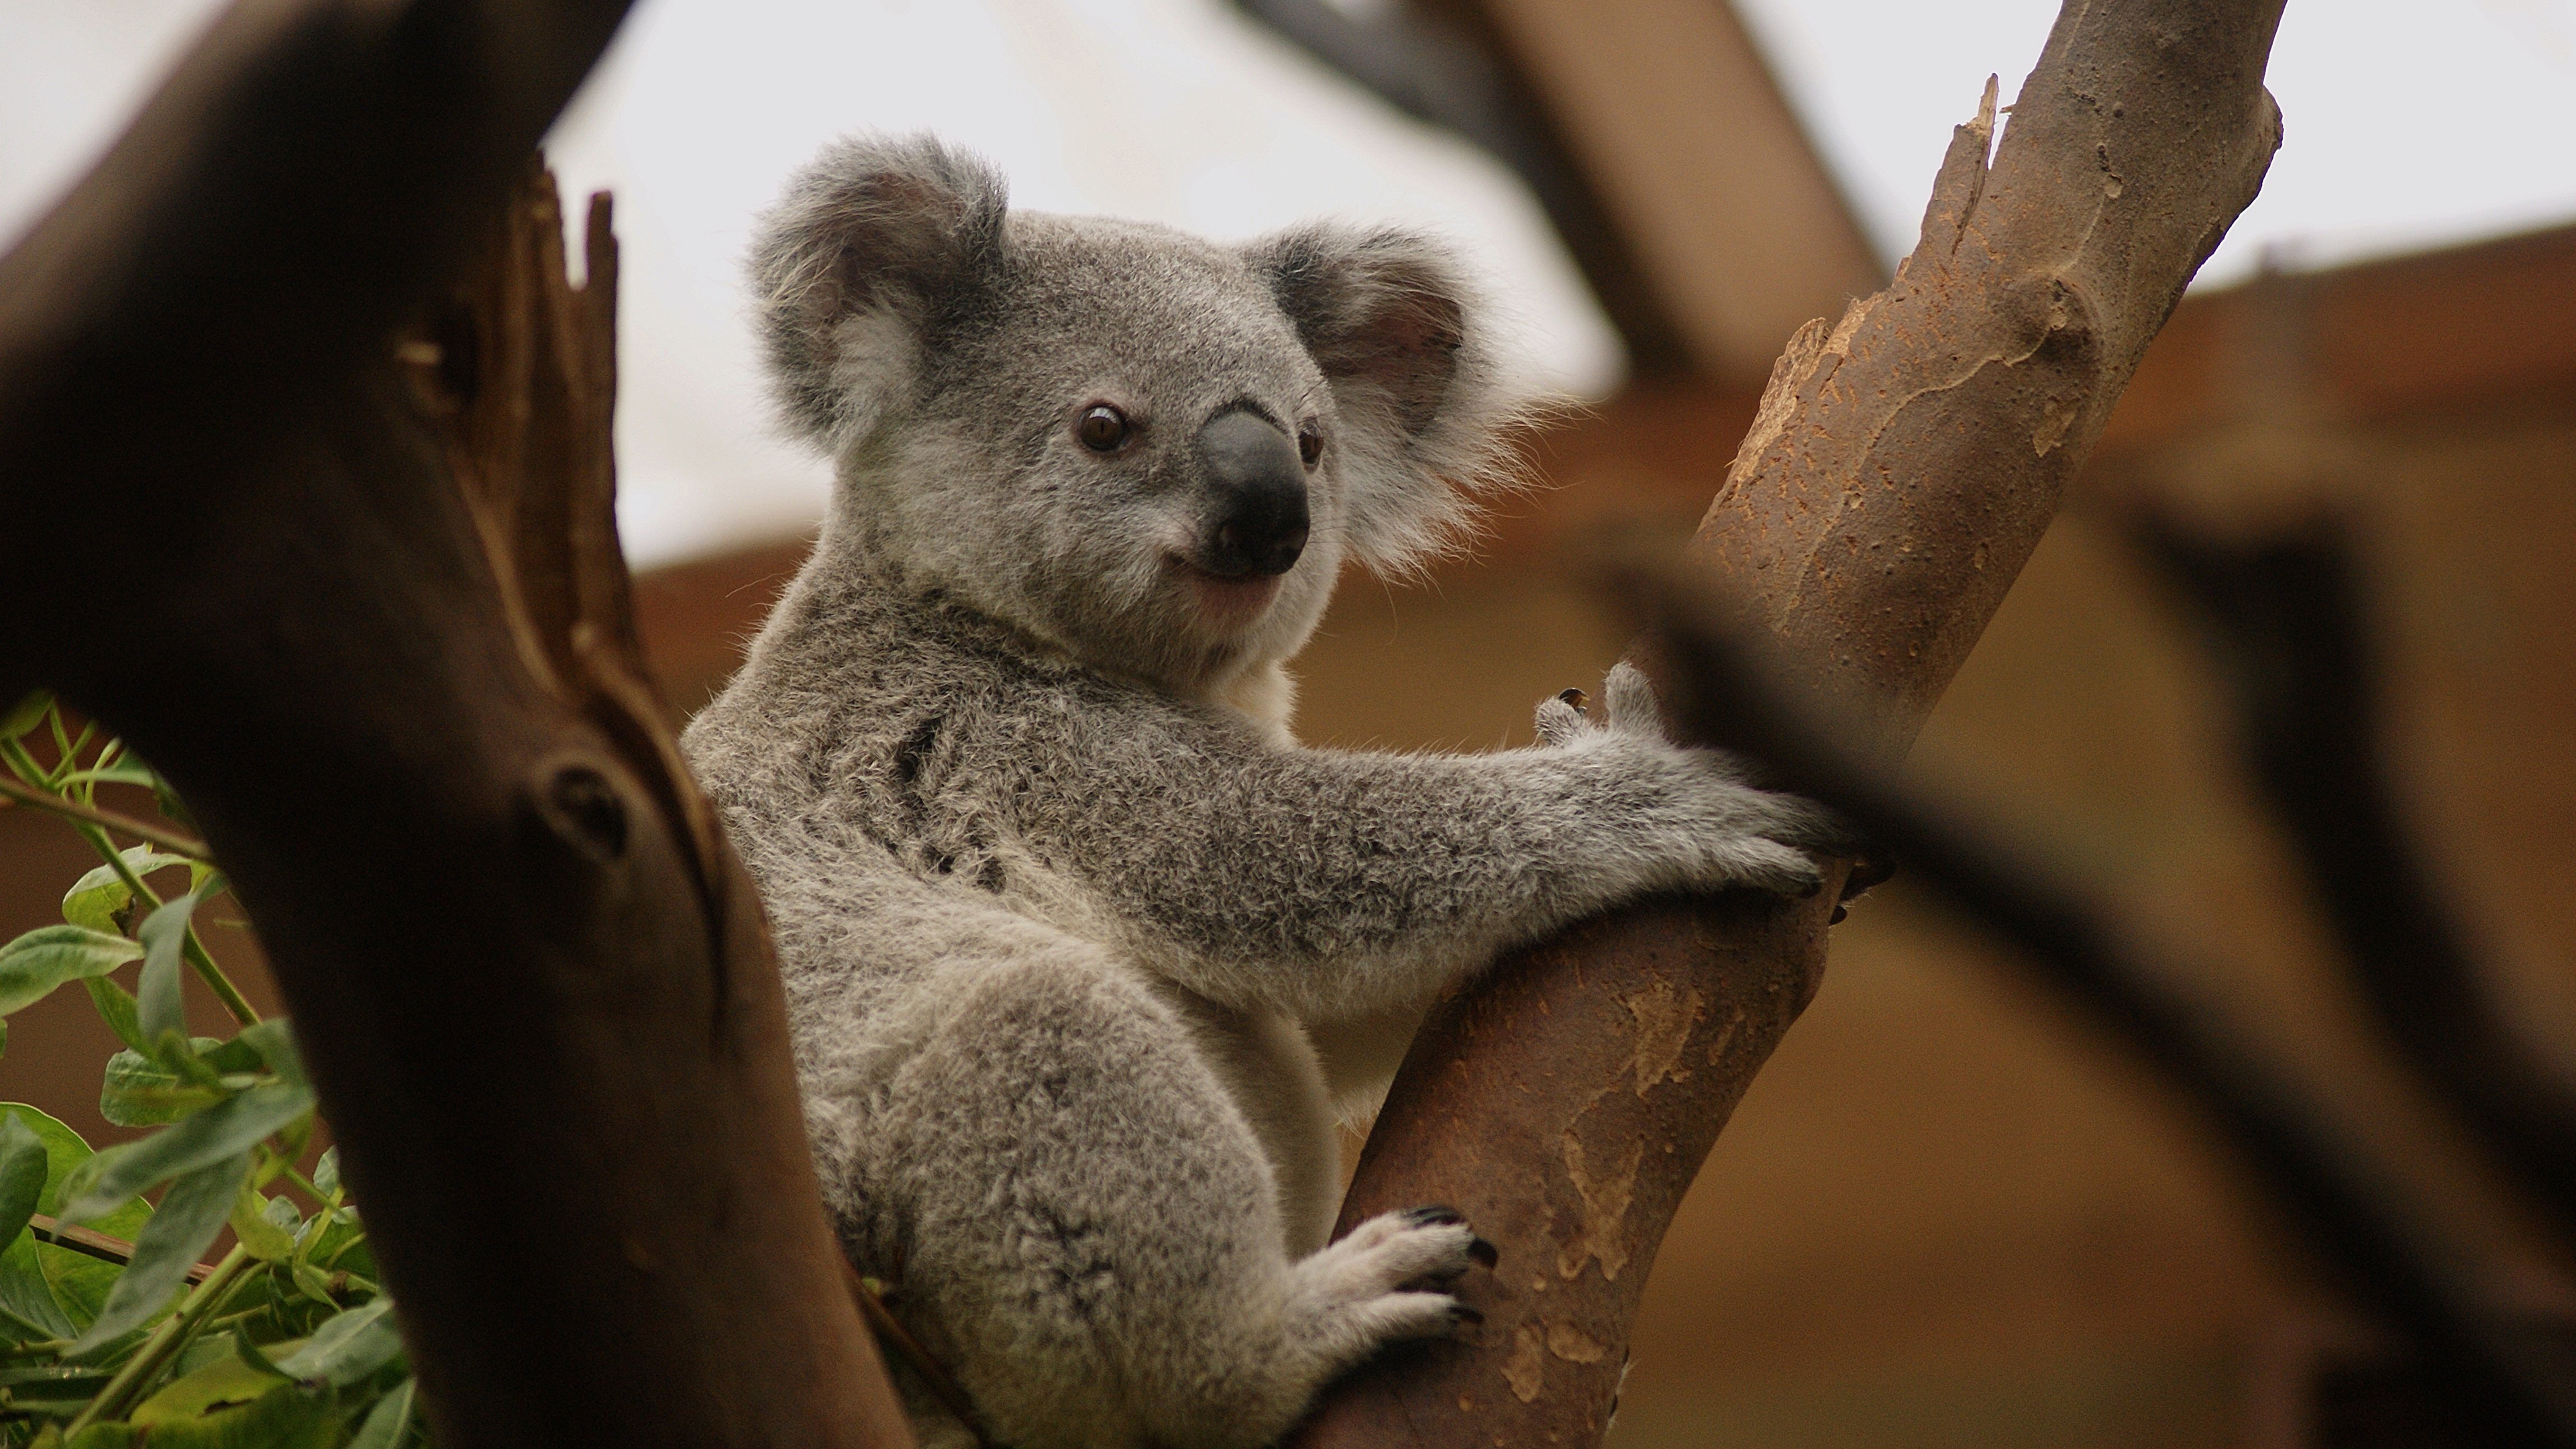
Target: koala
point(1081, 948)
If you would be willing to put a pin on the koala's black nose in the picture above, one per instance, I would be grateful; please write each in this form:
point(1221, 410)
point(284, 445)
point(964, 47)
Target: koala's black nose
point(1260, 521)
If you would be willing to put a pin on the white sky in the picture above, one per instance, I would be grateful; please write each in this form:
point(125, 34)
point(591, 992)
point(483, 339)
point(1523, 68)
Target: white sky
point(2410, 125)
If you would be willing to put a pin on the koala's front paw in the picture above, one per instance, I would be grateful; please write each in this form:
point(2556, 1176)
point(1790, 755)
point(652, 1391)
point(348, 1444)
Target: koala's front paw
point(1744, 834)
point(1384, 1281)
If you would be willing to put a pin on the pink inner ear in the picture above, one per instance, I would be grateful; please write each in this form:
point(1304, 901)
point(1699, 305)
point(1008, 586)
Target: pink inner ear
point(902, 234)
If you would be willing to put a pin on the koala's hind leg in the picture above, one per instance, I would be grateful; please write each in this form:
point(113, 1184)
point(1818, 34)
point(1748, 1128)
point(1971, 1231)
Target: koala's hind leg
point(1089, 1225)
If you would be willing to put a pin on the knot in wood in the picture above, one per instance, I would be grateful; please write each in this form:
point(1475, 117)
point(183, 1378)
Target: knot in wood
point(586, 810)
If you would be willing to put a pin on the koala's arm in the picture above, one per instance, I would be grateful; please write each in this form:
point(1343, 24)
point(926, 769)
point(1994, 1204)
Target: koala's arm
point(1331, 883)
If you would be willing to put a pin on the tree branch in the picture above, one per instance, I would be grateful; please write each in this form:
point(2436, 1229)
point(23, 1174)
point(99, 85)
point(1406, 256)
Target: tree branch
point(530, 981)
point(1901, 470)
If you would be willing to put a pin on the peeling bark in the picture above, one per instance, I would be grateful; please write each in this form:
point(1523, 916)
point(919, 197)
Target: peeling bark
point(1900, 471)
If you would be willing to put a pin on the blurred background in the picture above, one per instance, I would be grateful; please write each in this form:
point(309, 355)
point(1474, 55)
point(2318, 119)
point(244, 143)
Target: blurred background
point(1946, 1214)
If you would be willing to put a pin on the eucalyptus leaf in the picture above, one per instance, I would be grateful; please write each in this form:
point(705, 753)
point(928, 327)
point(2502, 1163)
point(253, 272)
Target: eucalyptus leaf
point(116, 1007)
point(137, 1091)
point(389, 1422)
point(95, 898)
point(190, 1215)
point(24, 1167)
point(313, 1283)
point(164, 935)
point(26, 714)
point(326, 1171)
point(238, 1055)
point(252, 1228)
point(353, 1344)
point(274, 1040)
point(225, 1381)
point(28, 1308)
point(288, 1416)
point(37, 962)
point(56, 1288)
point(123, 770)
point(226, 1129)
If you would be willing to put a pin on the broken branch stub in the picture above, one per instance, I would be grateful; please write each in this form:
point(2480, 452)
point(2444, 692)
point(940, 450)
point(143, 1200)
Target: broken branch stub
point(1905, 461)
point(1902, 467)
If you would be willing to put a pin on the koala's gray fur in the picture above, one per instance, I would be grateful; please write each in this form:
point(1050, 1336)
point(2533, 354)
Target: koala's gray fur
point(1063, 911)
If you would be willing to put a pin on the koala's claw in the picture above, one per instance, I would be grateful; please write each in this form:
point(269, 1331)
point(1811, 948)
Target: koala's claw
point(1484, 1253)
point(1434, 1215)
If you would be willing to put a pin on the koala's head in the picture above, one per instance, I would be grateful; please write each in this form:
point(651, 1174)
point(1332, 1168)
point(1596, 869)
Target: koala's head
point(1149, 450)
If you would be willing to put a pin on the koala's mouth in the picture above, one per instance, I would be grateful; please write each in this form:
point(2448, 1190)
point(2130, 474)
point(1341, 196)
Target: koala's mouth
point(1229, 604)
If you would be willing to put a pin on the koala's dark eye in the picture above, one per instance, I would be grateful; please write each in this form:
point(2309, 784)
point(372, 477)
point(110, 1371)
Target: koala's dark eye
point(1310, 444)
point(1102, 428)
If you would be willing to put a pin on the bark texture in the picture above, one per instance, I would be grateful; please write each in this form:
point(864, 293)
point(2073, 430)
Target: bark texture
point(1904, 464)
point(531, 983)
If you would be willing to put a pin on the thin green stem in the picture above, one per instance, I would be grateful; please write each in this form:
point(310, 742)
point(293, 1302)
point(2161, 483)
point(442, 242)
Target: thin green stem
point(192, 950)
point(162, 836)
point(71, 752)
point(23, 764)
point(173, 1334)
point(93, 824)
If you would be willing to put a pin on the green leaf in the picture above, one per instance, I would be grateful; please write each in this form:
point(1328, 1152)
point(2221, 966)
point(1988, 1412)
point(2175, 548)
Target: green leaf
point(116, 1007)
point(44, 958)
point(217, 1385)
point(226, 1381)
point(95, 898)
point(259, 1235)
point(190, 1215)
point(326, 1171)
point(26, 714)
point(388, 1422)
point(313, 1283)
point(65, 1151)
point(23, 1170)
point(164, 934)
point(353, 1344)
point(274, 1040)
point(288, 1416)
point(226, 1129)
point(123, 770)
point(26, 1299)
point(140, 1092)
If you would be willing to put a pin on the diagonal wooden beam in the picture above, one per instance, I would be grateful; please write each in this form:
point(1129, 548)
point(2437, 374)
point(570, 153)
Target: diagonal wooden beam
point(1676, 120)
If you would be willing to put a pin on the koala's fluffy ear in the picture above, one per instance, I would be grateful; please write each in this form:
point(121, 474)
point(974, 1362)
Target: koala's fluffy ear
point(876, 243)
point(1401, 336)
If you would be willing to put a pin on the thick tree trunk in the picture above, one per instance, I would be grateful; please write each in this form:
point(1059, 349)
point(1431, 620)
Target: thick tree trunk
point(530, 981)
point(1902, 468)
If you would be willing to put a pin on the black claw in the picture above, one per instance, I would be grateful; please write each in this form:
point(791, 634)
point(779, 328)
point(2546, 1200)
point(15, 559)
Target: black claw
point(1434, 1216)
point(1465, 1314)
point(1484, 1252)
